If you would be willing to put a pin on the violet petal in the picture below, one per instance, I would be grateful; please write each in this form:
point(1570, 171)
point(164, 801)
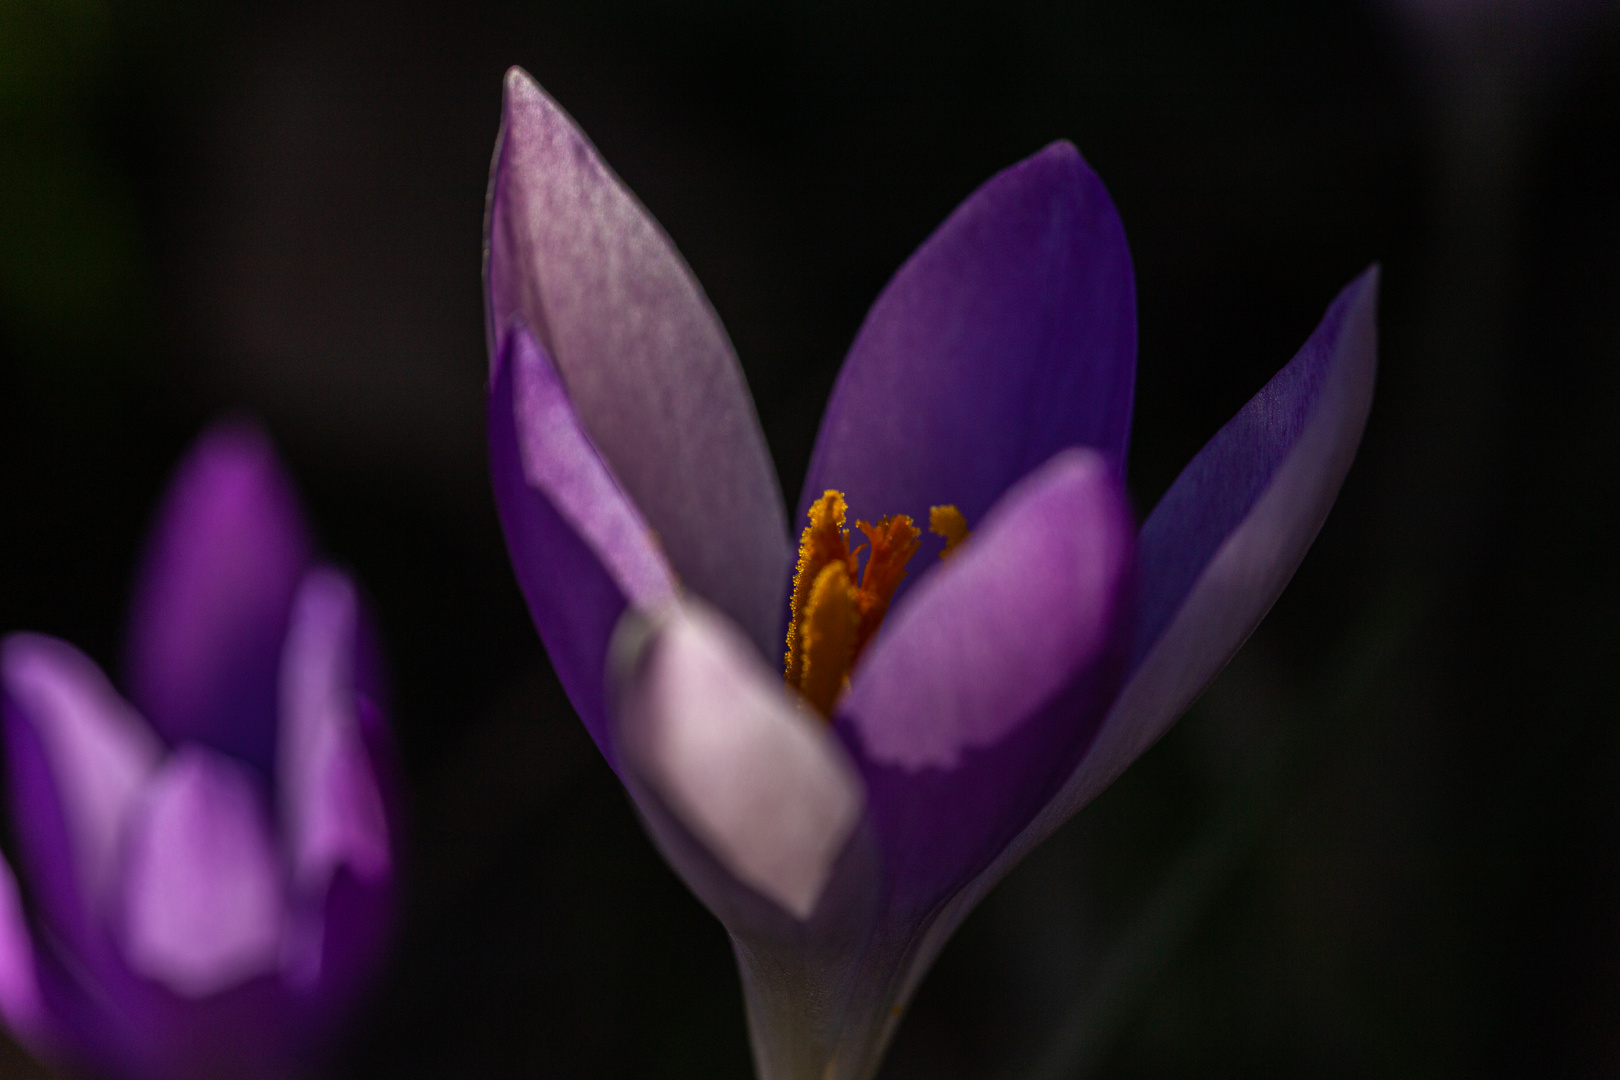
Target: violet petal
point(21, 1006)
point(331, 808)
point(580, 548)
point(1227, 537)
point(1009, 335)
point(985, 688)
point(212, 596)
point(1217, 552)
point(574, 256)
point(203, 903)
point(78, 758)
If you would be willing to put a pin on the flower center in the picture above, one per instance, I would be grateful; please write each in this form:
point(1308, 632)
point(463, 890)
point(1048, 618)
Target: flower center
point(833, 618)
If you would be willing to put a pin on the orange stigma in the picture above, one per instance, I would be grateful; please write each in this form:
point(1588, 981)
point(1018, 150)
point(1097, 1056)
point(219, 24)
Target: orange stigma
point(833, 619)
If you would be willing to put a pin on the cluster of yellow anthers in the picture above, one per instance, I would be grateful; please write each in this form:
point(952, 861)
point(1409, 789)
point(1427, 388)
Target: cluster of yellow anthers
point(833, 618)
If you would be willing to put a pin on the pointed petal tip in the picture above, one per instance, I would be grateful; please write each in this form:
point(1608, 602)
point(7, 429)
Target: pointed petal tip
point(226, 549)
point(518, 84)
point(1010, 334)
point(1226, 539)
point(1239, 577)
point(1060, 154)
point(522, 96)
point(575, 257)
point(235, 452)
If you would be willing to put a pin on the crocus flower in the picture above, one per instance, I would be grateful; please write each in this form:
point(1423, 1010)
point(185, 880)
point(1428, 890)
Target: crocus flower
point(208, 860)
point(938, 716)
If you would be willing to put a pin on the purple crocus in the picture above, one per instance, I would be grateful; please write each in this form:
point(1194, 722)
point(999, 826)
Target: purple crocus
point(842, 820)
point(208, 861)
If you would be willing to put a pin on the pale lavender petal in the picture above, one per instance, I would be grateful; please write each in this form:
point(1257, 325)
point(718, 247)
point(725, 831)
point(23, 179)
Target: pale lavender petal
point(21, 1007)
point(78, 759)
point(754, 803)
point(581, 549)
point(1218, 551)
point(203, 904)
point(212, 596)
point(573, 255)
point(743, 764)
point(1008, 336)
point(985, 688)
point(330, 805)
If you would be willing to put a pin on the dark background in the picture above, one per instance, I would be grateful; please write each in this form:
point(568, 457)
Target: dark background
point(1385, 843)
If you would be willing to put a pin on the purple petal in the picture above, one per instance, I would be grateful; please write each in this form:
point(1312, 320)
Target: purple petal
point(748, 770)
point(1008, 336)
point(1312, 413)
point(579, 546)
point(331, 807)
point(214, 589)
point(203, 904)
point(986, 686)
point(21, 1007)
point(1226, 538)
point(573, 255)
point(117, 1023)
point(1217, 552)
point(338, 937)
point(78, 759)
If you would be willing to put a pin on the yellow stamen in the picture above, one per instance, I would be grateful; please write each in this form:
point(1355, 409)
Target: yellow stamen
point(831, 620)
point(947, 521)
point(824, 541)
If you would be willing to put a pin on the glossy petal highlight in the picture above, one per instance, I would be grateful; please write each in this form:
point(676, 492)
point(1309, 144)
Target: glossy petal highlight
point(572, 255)
point(1008, 336)
point(580, 547)
point(210, 605)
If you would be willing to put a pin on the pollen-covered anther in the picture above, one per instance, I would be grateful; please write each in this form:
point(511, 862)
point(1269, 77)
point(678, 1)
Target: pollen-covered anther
point(833, 620)
point(824, 541)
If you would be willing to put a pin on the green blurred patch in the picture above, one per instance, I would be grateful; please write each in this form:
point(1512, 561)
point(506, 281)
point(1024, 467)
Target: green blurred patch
point(50, 52)
point(71, 271)
point(68, 267)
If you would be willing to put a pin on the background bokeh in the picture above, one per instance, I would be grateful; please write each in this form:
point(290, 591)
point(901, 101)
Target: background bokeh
point(1386, 841)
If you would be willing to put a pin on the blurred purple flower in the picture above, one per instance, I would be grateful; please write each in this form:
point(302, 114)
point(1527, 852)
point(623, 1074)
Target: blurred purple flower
point(209, 864)
point(1011, 683)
